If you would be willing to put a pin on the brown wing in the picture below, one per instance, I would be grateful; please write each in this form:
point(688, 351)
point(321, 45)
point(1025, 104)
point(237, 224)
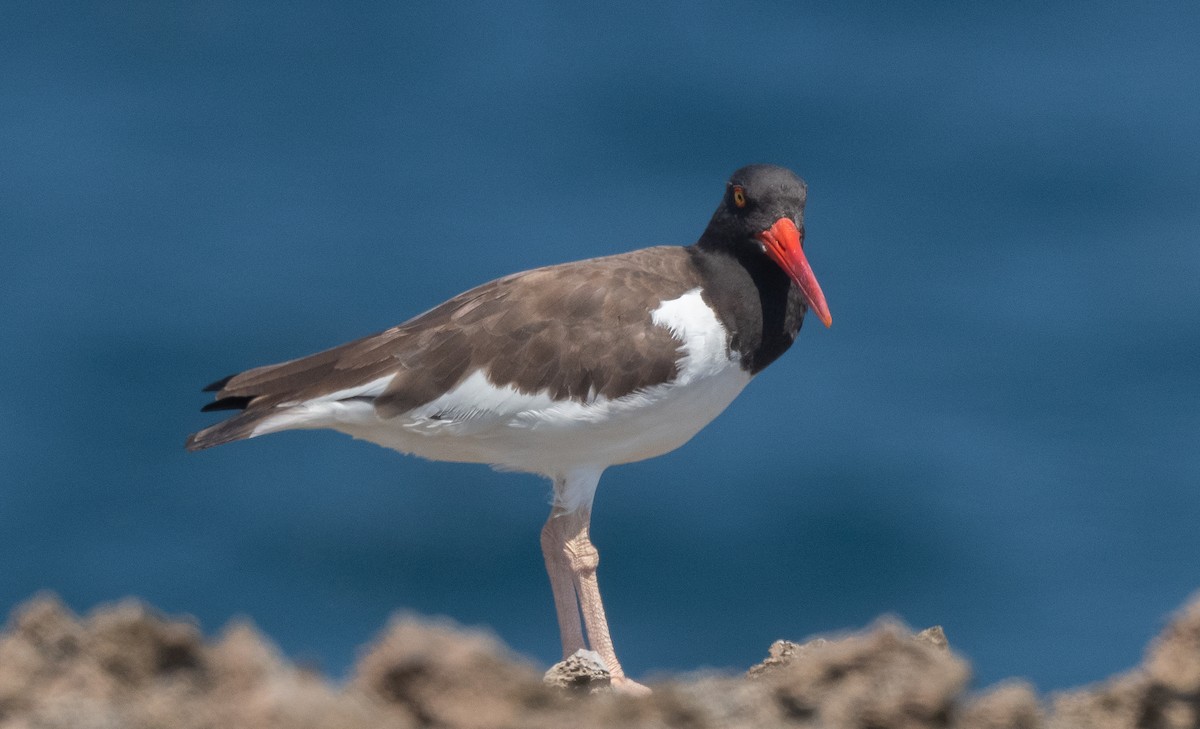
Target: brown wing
point(576, 330)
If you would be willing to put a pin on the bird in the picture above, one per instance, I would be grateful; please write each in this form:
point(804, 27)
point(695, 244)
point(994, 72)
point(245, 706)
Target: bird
point(563, 371)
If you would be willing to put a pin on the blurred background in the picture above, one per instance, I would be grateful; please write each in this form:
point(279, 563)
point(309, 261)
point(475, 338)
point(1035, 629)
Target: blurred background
point(1000, 434)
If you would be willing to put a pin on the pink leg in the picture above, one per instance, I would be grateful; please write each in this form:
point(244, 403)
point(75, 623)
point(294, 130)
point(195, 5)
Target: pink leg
point(570, 554)
point(562, 583)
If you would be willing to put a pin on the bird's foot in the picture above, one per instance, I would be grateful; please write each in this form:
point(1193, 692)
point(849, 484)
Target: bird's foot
point(629, 687)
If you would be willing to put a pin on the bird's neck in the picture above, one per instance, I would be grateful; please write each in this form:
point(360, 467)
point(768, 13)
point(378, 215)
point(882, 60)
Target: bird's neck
point(757, 302)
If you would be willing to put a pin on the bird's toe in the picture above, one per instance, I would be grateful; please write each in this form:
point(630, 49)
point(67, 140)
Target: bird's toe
point(629, 687)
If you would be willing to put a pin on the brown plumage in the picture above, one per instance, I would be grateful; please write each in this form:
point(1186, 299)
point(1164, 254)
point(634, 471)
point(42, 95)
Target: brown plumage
point(576, 330)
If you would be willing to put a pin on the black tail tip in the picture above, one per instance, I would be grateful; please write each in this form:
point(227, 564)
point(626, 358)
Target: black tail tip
point(227, 403)
point(219, 384)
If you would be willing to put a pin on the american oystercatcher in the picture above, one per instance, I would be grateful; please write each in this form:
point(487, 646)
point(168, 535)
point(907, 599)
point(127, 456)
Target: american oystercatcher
point(564, 371)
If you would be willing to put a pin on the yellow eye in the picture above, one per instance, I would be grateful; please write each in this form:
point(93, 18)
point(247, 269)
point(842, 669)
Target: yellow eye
point(739, 196)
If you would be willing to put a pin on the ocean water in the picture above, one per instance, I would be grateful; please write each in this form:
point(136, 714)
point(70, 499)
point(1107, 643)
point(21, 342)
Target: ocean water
point(1000, 434)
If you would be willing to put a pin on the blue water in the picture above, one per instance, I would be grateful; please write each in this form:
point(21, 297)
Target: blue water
point(1000, 433)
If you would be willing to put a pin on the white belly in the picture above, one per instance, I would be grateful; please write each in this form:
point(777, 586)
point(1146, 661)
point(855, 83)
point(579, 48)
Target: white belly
point(551, 438)
point(480, 422)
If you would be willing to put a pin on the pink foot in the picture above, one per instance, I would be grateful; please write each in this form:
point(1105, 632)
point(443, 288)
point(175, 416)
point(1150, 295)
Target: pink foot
point(629, 687)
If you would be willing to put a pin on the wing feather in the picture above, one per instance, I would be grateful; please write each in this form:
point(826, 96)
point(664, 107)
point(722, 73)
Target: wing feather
point(577, 330)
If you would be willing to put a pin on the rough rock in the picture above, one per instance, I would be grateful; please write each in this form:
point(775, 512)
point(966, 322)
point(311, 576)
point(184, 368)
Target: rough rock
point(884, 678)
point(1011, 705)
point(128, 667)
point(583, 671)
point(1163, 693)
point(439, 674)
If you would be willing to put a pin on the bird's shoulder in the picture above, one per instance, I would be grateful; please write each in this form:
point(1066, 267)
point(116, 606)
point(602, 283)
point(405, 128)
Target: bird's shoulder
point(575, 330)
point(612, 290)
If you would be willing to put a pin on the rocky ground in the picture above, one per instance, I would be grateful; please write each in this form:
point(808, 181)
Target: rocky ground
point(128, 667)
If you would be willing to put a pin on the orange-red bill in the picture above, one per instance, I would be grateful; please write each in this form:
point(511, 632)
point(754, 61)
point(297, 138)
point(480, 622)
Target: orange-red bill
point(783, 243)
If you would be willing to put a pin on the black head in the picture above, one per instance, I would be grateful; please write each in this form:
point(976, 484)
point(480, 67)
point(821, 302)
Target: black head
point(762, 214)
point(755, 197)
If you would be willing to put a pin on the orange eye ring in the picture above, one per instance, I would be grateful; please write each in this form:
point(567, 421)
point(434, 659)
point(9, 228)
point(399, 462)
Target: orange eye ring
point(739, 196)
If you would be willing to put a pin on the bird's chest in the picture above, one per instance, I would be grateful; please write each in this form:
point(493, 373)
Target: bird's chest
point(709, 376)
point(644, 424)
point(757, 306)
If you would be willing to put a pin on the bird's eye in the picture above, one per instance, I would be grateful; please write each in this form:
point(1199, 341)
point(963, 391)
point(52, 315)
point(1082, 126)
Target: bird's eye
point(739, 196)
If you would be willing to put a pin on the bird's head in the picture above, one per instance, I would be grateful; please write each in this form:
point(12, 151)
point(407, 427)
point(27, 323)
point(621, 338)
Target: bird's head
point(763, 214)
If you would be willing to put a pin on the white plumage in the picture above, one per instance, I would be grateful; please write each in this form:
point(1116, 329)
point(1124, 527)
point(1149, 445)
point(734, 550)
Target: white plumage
point(480, 422)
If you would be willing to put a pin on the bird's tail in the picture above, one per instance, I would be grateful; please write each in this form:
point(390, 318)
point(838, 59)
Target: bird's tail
point(263, 392)
point(239, 427)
